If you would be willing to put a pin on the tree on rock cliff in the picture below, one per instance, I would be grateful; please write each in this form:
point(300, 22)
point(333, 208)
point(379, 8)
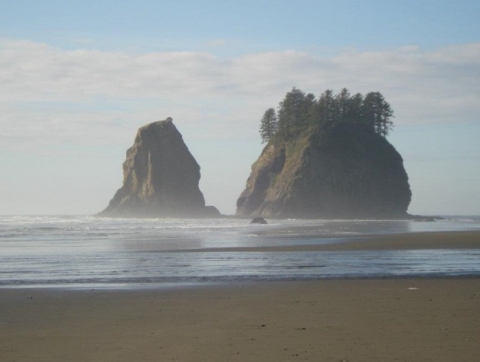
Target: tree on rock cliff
point(377, 113)
point(294, 113)
point(325, 111)
point(268, 125)
point(300, 114)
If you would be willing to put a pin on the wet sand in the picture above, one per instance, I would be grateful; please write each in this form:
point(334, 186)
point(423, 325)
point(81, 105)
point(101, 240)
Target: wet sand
point(410, 241)
point(327, 320)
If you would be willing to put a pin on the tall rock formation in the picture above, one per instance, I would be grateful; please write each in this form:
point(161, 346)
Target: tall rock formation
point(160, 177)
point(346, 173)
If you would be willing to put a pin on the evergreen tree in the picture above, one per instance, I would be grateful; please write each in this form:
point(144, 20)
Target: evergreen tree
point(377, 113)
point(326, 110)
point(299, 113)
point(292, 114)
point(268, 125)
point(343, 105)
point(355, 109)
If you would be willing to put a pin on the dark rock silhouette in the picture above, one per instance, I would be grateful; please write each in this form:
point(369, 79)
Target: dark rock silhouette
point(160, 177)
point(345, 173)
point(258, 220)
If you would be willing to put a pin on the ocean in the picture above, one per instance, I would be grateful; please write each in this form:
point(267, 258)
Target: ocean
point(93, 252)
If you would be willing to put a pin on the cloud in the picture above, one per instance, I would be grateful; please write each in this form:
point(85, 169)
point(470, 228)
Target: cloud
point(97, 96)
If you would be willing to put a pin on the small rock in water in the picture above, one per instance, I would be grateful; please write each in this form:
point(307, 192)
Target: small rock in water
point(258, 220)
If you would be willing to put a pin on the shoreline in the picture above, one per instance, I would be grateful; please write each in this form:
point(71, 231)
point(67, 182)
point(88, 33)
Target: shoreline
point(440, 245)
point(434, 319)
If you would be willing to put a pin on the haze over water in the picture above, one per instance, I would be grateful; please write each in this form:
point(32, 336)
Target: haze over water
point(89, 252)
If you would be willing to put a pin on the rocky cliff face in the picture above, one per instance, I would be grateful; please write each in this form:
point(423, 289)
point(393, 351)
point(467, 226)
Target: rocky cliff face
point(160, 177)
point(347, 173)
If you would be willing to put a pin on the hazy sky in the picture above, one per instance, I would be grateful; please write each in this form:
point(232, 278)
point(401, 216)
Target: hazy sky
point(78, 78)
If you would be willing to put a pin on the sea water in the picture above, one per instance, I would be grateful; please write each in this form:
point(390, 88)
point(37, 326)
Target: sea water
point(93, 252)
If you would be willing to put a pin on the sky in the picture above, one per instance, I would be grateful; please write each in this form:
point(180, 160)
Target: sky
point(78, 78)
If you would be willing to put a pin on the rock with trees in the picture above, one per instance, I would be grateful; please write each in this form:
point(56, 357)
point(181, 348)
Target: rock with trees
point(327, 157)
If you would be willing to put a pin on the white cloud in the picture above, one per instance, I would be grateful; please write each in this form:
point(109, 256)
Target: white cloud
point(83, 95)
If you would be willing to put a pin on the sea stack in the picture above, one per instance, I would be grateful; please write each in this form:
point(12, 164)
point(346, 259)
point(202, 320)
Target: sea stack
point(345, 174)
point(160, 177)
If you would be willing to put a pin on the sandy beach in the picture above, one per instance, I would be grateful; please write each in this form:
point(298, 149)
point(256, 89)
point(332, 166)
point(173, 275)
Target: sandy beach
point(326, 320)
